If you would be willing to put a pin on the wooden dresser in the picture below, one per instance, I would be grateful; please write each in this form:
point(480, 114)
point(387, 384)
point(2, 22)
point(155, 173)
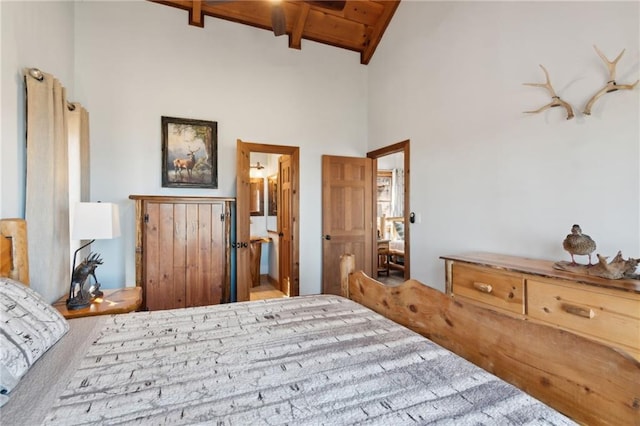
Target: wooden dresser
point(183, 250)
point(598, 308)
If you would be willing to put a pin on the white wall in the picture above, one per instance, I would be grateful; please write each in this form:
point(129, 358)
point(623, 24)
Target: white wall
point(137, 61)
point(447, 75)
point(486, 177)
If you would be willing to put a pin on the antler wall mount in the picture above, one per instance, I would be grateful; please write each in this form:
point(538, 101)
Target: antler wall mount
point(611, 85)
point(555, 99)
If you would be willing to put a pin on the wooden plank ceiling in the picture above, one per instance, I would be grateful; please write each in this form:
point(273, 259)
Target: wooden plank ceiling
point(356, 25)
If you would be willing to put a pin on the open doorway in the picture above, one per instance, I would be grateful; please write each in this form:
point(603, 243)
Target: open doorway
point(266, 226)
point(391, 212)
point(252, 205)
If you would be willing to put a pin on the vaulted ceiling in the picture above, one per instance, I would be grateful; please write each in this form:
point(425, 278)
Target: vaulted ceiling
point(356, 25)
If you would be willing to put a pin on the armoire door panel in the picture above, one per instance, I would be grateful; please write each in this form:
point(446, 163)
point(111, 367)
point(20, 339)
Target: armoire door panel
point(217, 250)
point(192, 260)
point(176, 241)
point(151, 275)
point(200, 290)
point(172, 284)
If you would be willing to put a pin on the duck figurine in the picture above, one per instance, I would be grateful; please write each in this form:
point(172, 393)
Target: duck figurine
point(578, 243)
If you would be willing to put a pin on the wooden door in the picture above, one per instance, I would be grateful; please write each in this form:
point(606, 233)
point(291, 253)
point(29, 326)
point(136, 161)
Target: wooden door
point(243, 182)
point(285, 264)
point(346, 216)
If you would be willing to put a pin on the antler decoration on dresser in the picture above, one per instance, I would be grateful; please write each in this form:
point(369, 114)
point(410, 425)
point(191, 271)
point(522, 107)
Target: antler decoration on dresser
point(611, 85)
point(555, 99)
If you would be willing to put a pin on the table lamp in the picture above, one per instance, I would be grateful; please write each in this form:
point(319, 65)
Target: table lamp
point(91, 221)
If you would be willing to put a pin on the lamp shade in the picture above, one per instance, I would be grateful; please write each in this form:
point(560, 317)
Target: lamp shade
point(95, 221)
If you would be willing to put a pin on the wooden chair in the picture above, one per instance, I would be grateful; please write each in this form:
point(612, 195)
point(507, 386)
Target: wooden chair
point(383, 257)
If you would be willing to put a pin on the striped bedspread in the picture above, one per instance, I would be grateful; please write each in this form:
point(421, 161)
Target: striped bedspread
point(306, 360)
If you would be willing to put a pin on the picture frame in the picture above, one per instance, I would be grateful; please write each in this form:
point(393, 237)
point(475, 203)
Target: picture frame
point(272, 185)
point(189, 153)
point(256, 201)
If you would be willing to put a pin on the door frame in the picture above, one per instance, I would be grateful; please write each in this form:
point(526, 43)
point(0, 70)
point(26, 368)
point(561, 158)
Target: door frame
point(402, 147)
point(243, 277)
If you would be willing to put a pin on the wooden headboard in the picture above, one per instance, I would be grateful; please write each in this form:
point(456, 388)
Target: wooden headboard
point(14, 260)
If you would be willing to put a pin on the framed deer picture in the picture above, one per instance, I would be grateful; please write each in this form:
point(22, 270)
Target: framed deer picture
point(189, 153)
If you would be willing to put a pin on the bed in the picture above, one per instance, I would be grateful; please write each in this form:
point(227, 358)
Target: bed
point(324, 359)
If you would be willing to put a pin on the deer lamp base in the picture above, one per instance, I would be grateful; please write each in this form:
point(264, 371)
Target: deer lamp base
point(79, 297)
point(82, 300)
point(95, 291)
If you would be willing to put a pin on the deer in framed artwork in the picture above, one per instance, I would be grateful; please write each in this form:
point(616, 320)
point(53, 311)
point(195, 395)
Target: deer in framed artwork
point(187, 164)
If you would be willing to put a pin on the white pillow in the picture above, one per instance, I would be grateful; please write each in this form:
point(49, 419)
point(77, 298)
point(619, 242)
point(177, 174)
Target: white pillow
point(29, 326)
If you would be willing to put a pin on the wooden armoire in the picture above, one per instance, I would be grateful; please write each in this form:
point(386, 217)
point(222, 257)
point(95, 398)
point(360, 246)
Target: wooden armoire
point(183, 250)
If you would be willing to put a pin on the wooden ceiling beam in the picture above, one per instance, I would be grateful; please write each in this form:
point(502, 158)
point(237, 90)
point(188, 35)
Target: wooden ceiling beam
point(254, 13)
point(357, 27)
point(375, 36)
point(295, 39)
point(363, 12)
point(347, 34)
point(196, 17)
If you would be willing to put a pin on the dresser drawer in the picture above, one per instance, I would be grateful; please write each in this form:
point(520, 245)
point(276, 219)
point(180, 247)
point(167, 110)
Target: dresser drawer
point(590, 311)
point(498, 289)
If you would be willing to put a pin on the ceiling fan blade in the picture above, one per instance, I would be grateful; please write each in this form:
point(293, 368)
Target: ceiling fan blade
point(278, 20)
point(327, 4)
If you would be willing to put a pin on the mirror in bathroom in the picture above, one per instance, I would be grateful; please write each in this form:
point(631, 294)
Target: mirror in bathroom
point(272, 192)
point(256, 204)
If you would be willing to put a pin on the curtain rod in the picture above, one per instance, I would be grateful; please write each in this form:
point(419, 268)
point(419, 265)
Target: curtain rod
point(38, 75)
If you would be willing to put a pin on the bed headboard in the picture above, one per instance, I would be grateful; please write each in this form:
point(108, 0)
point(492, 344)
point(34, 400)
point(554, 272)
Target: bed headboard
point(14, 260)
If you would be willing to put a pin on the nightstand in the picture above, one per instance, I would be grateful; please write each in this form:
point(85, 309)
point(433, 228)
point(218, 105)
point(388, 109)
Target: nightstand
point(115, 301)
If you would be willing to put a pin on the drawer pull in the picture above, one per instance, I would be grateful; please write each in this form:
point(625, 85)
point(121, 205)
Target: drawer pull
point(578, 311)
point(485, 288)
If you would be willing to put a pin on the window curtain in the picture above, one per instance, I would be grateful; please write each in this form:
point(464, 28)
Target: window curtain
point(397, 192)
point(48, 186)
point(78, 148)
